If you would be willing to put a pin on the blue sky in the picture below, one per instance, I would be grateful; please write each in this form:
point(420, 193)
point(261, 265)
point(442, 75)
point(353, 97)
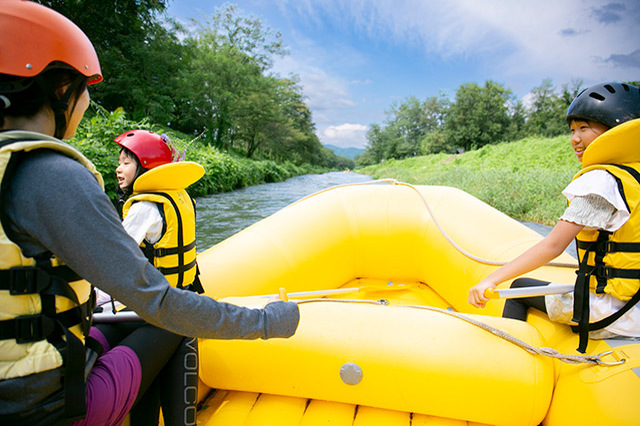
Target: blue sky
point(355, 58)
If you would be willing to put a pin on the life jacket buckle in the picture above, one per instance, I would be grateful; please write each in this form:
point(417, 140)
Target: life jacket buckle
point(604, 271)
point(31, 328)
point(602, 246)
point(27, 280)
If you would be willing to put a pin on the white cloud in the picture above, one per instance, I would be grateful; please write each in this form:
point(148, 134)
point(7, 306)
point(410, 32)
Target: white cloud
point(514, 40)
point(345, 135)
point(323, 90)
point(327, 94)
point(518, 43)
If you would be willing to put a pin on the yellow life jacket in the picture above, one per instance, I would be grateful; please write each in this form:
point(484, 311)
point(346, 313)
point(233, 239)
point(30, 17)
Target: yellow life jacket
point(610, 261)
point(615, 257)
point(45, 307)
point(174, 254)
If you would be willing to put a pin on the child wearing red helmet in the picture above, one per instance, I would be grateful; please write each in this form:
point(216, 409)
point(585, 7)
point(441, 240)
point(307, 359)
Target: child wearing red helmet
point(146, 220)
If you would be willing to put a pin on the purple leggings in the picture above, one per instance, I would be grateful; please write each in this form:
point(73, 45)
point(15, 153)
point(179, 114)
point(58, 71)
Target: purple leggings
point(132, 358)
point(112, 386)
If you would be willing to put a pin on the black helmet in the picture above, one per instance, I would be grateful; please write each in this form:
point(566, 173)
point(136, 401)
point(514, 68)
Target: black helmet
point(606, 103)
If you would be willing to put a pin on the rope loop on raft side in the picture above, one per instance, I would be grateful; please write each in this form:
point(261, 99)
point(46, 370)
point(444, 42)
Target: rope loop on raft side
point(435, 221)
point(545, 351)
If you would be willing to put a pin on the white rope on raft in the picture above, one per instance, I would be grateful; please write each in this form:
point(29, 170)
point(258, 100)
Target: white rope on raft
point(435, 221)
point(548, 352)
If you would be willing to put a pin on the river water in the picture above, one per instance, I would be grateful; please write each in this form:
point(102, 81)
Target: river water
point(221, 215)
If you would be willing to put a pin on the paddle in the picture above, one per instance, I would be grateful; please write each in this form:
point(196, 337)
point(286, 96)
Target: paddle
point(110, 316)
point(514, 293)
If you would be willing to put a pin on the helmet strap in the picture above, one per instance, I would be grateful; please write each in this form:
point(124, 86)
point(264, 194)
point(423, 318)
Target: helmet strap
point(60, 105)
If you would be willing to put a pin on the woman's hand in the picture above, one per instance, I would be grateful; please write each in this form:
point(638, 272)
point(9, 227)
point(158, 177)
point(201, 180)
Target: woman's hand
point(476, 293)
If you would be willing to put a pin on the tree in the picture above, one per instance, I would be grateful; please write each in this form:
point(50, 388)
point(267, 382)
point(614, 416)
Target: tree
point(435, 110)
point(229, 55)
point(479, 115)
point(276, 122)
point(213, 82)
point(518, 113)
point(138, 55)
point(375, 149)
point(546, 115)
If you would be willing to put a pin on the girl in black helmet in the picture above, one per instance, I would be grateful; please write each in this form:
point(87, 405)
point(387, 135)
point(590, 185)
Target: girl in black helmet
point(604, 218)
point(59, 232)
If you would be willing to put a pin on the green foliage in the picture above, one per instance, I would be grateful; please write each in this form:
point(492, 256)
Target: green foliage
point(213, 80)
point(479, 116)
point(210, 79)
point(139, 54)
point(523, 179)
point(436, 142)
point(223, 172)
point(408, 124)
point(223, 83)
point(548, 109)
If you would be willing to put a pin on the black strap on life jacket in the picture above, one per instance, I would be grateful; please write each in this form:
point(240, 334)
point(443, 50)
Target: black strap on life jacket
point(51, 282)
point(48, 282)
point(151, 253)
point(601, 247)
point(197, 285)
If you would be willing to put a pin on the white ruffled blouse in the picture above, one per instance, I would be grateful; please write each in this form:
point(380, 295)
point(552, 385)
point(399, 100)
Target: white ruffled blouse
point(596, 203)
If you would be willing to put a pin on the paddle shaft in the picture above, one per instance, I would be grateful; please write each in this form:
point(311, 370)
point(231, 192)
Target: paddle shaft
point(109, 316)
point(514, 293)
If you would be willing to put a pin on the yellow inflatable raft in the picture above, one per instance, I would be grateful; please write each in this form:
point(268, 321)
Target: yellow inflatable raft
point(381, 272)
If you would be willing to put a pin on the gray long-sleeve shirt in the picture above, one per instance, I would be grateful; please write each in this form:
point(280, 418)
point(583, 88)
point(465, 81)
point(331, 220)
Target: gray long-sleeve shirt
point(54, 204)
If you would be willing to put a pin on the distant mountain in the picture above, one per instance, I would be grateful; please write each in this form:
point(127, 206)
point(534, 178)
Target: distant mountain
point(346, 152)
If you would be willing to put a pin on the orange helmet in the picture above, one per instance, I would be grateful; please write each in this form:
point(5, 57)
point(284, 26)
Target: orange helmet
point(35, 37)
point(151, 149)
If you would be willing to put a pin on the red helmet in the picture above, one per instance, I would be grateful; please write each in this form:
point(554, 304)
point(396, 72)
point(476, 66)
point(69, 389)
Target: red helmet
point(150, 148)
point(35, 37)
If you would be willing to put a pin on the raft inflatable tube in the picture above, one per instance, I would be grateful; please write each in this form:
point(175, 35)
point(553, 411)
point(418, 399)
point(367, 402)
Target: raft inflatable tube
point(389, 346)
point(354, 354)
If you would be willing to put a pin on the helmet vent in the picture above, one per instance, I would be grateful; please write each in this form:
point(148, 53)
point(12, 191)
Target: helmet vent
point(609, 103)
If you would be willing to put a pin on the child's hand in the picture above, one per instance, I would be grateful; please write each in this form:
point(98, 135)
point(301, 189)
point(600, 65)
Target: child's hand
point(476, 293)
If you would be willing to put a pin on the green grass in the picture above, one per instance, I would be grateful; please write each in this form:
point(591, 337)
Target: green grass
point(523, 179)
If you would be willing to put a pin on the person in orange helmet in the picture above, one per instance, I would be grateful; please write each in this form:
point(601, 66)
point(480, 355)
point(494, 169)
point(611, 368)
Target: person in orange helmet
point(59, 234)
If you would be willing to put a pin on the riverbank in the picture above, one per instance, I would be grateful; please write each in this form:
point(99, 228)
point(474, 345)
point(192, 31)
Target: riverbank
point(523, 179)
point(223, 171)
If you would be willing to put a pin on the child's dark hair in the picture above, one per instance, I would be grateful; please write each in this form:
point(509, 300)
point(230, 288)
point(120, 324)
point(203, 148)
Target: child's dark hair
point(24, 97)
point(123, 194)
